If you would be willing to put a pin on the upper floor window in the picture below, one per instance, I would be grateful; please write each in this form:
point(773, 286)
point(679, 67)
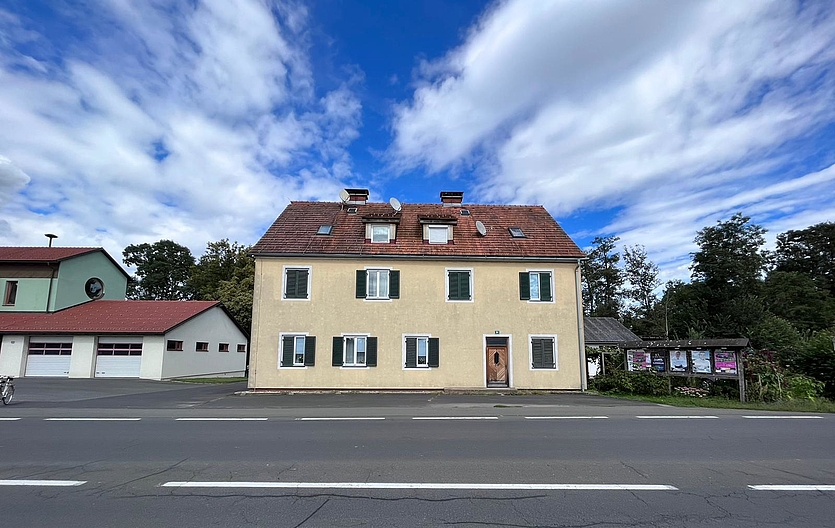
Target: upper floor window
point(242, 347)
point(10, 295)
point(297, 283)
point(459, 285)
point(202, 346)
point(380, 233)
point(438, 234)
point(298, 350)
point(174, 345)
point(223, 347)
point(378, 284)
point(535, 286)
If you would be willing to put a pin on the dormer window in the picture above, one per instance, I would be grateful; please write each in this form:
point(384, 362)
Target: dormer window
point(438, 234)
point(380, 233)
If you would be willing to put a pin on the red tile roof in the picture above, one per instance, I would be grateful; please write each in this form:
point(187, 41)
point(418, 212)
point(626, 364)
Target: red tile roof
point(42, 254)
point(294, 232)
point(107, 317)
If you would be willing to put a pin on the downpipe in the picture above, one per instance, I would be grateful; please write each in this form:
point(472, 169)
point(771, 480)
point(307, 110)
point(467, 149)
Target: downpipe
point(581, 336)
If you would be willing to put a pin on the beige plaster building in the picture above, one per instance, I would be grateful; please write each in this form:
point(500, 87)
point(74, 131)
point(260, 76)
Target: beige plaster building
point(359, 295)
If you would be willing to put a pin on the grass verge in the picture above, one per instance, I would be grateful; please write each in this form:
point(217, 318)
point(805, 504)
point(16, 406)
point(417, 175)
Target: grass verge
point(816, 405)
point(210, 380)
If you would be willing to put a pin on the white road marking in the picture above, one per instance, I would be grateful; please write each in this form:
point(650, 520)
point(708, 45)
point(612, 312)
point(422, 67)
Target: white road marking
point(455, 418)
point(221, 419)
point(761, 416)
point(341, 419)
point(421, 485)
point(564, 417)
point(675, 416)
point(8, 419)
point(92, 419)
point(23, 482)
point(793, 488)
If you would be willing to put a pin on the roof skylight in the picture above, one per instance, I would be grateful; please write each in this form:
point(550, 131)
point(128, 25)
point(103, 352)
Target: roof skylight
point(516, 232)
point(324, 230)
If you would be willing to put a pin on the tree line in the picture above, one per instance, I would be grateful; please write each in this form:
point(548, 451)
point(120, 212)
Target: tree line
point(782, 300)
point(166, 270)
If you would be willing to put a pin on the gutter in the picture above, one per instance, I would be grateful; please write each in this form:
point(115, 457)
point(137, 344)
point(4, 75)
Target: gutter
point(415, 257)
point(581, 338)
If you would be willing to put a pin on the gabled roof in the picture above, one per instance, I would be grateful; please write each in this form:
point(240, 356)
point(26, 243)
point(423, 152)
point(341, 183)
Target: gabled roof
point(49, 255)
point(108, 317)
point(606, 331)
point(294, 232)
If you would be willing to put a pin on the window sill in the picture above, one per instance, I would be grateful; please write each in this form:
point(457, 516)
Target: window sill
point(353, 367)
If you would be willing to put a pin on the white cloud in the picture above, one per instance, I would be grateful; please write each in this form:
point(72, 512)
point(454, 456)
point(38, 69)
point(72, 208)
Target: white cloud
point(675, 113)
point(180, 120)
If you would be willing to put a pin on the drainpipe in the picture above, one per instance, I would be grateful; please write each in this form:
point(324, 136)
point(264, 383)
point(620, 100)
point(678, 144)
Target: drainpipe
point(581, 338)
point(49, 293)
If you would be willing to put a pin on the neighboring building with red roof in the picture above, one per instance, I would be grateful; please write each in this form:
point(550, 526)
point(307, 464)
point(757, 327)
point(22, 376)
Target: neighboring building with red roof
point(64, 314)
point(359, 295)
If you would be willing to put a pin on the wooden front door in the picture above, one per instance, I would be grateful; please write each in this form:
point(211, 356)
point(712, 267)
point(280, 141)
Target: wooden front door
point(497, 366)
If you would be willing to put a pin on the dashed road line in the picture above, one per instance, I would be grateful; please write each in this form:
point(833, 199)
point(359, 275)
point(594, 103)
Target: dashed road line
point(801, 417)
point(92, 419)
point(676, 416)
point(455, 417)
point(9, 419)
point(421, 485)
point(339, 419)
point(24, 482)
point(564, 417)
point(796, 487)
point(221, 419)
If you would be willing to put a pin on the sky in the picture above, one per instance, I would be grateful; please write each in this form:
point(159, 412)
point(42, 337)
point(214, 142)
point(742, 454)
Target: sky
point(124, 122)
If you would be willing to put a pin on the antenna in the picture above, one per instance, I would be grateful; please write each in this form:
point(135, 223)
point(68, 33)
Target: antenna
point(480, 227)
point(344, 196)
point(51, 237)
point(395, 204)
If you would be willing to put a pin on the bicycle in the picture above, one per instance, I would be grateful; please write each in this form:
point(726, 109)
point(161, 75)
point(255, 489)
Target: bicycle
point(7, 389)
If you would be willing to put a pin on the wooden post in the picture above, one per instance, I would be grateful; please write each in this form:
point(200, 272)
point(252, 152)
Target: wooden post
point(741, 375)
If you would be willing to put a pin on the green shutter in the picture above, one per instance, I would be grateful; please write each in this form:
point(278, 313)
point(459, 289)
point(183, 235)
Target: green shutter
point(371, 352)
point(309, 351)
point(434, 352)
point(290, 285)
point(361, 288)
point(301, 284)
point(287, 352)
point(337, 351)
point(411, 352)
point(536, 352)
point(394, 284)
point(548, 353)
point(464, 285)
point(545, 287)
point(453, 286)
point(296, 287)
point(524, 286)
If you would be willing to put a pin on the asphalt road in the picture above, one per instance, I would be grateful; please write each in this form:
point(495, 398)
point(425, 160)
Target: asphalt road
point(179, 455)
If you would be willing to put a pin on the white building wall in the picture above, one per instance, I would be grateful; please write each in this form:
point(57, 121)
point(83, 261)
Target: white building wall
point(214, 327)
point(12, 355)
point(153, 352)
point(83, 362)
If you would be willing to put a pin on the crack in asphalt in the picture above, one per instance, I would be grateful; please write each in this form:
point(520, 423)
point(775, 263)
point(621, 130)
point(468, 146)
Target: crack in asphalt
point(313, 513)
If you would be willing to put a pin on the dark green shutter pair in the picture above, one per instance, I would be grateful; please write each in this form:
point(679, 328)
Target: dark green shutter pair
point(544, 285)
point(394, 284)
point(309, 351)
point(370, 351)
point(434, 352)
point(296, 287)
point(543, 353)
point(459, 286)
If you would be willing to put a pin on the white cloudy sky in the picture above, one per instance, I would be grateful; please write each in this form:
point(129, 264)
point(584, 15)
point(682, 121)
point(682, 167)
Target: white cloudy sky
point(647, 120)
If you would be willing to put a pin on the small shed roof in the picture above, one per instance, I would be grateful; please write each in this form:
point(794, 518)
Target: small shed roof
point(691, 343)
point(606, 331)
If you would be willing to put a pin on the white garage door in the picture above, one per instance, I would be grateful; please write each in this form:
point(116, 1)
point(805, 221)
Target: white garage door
point(118, 360)
point(49, 359)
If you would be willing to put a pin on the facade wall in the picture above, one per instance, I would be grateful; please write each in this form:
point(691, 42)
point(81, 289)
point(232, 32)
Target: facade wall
point(214, 327)
point(32, 294)
point(13, 355)
point(73, 274)
point(83, 363)
point(422, 309)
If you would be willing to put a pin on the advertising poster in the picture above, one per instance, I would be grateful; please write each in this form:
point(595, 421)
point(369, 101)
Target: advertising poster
point(725, 362)
point(637, 360)
point(658, 362)
point(678, 361)
point(701, 361)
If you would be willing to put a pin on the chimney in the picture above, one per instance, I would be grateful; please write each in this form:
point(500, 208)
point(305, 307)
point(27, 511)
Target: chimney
point(357, 196)
point(451, 198)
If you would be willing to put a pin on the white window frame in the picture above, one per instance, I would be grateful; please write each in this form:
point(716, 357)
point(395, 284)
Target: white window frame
point(403, 358)
point(531, 337)
point(354, 336)
point(437, 229)
point(368, 295)
point(281, 337)
point(388, 233)
point(446, 285)
point(553, 294)
point(284, 282)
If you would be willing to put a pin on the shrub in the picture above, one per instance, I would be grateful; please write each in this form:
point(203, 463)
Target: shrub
point(817, 359)
point(641, 383)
